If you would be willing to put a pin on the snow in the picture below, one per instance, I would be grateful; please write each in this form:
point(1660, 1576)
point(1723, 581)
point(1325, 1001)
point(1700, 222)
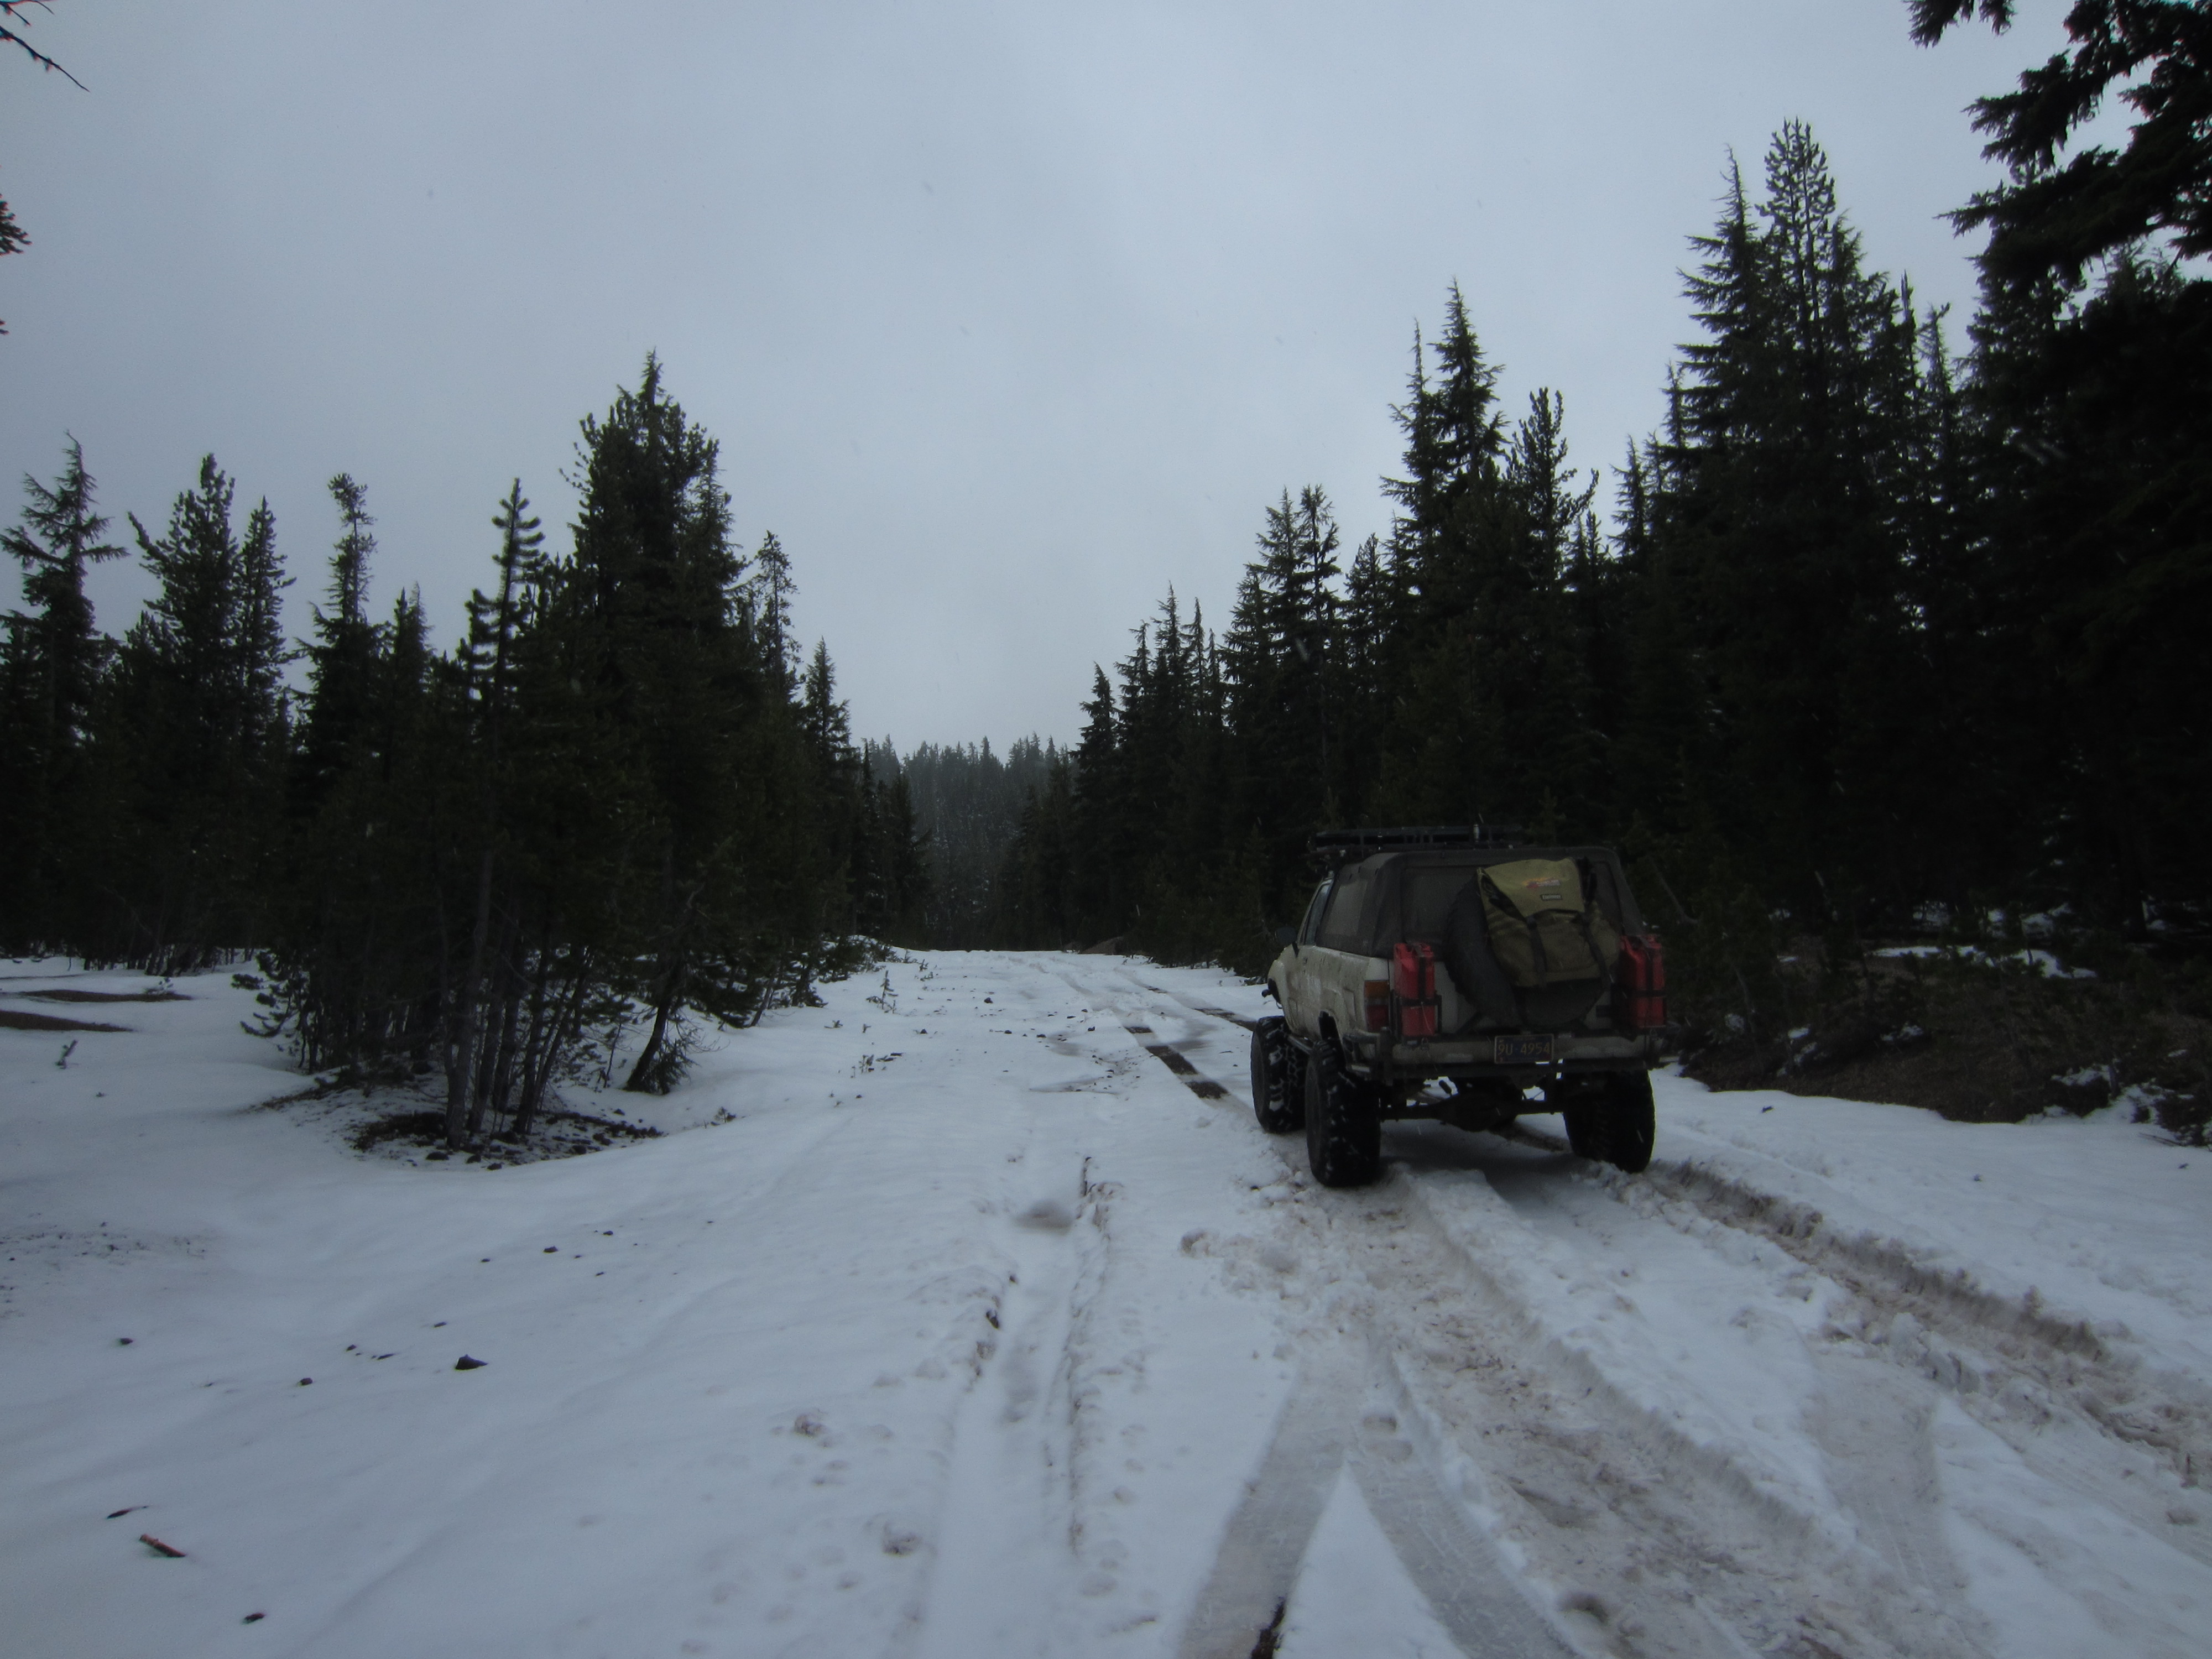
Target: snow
point(1356, 1596)
point(945, 1320)
point(2043, 960)
point(2101, 1218)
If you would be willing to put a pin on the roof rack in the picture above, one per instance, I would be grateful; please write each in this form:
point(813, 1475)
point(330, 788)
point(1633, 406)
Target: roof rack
point(1346, 843)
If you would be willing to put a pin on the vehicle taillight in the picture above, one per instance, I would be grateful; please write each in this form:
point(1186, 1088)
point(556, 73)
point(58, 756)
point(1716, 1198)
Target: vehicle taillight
point(1376, 1011)
point(1413, 984)
point(1643, 983)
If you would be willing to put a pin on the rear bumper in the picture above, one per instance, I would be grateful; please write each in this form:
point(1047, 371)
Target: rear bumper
point(1416, 1061)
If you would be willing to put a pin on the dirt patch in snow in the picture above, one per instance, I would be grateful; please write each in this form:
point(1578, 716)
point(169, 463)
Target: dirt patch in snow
point(1978, 1041)
point(108, 996)
point(23, 1019)
point(419, 1136)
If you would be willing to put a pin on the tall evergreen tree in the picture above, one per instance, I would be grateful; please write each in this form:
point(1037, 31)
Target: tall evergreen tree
point(495, 620)
point(195, 726)
point(1779, 496)
point(51, 664)
point(2092, 554)
point(1284, 662)
point(653, 595)
point(343, 659)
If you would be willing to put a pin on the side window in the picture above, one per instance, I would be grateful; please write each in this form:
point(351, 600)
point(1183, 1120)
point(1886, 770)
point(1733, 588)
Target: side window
point(1340, 928)
point(1312, 923)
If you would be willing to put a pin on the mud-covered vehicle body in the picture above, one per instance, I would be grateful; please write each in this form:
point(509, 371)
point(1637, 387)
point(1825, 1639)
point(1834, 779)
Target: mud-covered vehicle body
point(1445, 974)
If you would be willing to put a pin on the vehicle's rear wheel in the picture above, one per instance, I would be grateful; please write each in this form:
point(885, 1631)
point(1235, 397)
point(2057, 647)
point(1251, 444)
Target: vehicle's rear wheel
point(1343, 1134)
point(1635, 1120)
point(1617, 1124)
point(1277, 1100)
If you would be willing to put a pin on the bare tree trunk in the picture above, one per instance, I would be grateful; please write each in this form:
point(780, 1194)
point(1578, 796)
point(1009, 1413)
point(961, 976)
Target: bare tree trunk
point(533, 1031)
point(763, 996)
point(665, 1004)
point(566, 1021)
point(495, 1077)
point(462, 1112)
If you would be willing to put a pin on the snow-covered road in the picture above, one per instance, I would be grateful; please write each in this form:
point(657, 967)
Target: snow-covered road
point(991, 1325)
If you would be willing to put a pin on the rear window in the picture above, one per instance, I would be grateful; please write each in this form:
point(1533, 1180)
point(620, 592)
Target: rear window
point(1410, 898)
point(1426, 892)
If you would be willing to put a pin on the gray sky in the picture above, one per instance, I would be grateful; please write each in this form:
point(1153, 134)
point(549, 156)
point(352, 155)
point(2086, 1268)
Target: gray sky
point(1007, 316)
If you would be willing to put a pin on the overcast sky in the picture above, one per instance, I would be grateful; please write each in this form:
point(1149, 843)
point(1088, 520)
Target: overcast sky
point(1007, 316)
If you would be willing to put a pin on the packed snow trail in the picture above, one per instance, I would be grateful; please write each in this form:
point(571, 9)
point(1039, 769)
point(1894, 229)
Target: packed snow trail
point(991, 1325)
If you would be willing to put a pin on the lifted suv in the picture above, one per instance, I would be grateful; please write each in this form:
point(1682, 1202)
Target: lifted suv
point(1444, 973)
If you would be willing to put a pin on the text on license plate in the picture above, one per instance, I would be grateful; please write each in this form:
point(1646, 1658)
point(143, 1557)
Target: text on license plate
point(1522, 1051)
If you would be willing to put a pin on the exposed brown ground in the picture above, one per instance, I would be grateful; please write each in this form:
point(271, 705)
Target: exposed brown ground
point(106, 996)
point(22, 1019)
point(1981, 1044)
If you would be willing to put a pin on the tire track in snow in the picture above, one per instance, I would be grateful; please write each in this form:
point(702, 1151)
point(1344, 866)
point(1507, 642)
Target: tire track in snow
point(2017, 1367)
point(1455, 1564)
point(1167, 1053)
point(1326, 1423)
point(1013, 1494)
point(1638, 1539)
point(1654, 1543)
point(1244, 1020)
point(1188, 1074)
point(1877, 1429)
point(1258, 1561)
point(1031, 1494)
point(1448, 1555)
point(1628, 1534)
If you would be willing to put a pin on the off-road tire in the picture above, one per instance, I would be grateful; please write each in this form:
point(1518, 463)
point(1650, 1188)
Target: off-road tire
point(1617, 1124)
point(1278, 1100)
point(1343, 1134)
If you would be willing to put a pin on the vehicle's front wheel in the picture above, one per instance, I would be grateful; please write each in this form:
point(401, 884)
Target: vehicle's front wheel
point(1619, 1125)
point(1344, 1135)
point(1277, 1100)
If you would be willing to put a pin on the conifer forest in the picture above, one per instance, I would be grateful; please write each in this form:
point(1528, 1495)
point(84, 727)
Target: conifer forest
point(1897, 628)
point(1895, 624)
point(626, 798)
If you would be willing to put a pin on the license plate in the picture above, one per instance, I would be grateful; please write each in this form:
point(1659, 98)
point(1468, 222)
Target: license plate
point(1522, 1051)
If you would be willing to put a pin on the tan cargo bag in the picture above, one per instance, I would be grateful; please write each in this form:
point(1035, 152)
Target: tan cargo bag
point(1543, 930)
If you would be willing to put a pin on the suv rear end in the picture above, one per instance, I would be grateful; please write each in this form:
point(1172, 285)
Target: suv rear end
point(1395, 1004)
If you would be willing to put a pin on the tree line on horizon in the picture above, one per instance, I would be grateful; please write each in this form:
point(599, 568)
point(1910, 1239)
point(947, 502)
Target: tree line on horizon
point(625, 799)
point(967, 805)
point(1879, 633)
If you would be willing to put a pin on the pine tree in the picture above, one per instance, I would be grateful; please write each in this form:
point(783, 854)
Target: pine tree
point(343, 657)
point(495, 620)
point(772, 589)
point(1488, 713)
point(727, 894)
point(50, 666)
point(2082, 570)
point(1285, 674)
point(12, 238)
point(197, 728)
point(2057, 215)
point(1782, 500)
